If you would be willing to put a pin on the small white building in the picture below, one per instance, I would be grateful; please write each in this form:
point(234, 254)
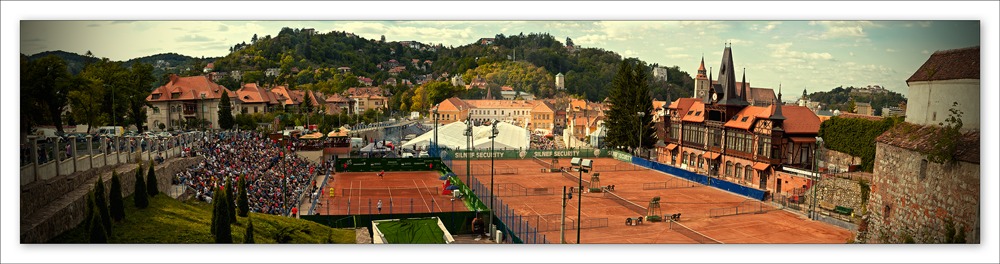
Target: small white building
point(946, 78)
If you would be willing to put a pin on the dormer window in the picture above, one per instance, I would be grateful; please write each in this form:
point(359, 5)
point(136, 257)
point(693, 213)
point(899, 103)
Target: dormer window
point(744, 119)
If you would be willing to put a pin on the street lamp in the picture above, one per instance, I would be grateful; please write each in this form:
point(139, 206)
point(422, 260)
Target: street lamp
point(639, 118)
point(493, 136)
point(435, 149)
point(583, 165)
point(468, 148)
point(819, 144)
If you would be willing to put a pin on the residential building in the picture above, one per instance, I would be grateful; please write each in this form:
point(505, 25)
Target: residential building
point(251, 99)
point(542, 117)
point(452, 110)
point(183, 99)
point(723, 135)
point(272, 72)
point(863, 108)
point(893, 111)
point(336, 104)
point(365, 98)
point(948, 79)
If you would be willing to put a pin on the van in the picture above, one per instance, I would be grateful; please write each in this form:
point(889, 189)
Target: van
point(115, 131)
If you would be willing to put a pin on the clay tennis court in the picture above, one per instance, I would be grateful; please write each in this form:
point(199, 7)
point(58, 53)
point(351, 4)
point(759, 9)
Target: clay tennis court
point(637, 185)
point(400, 192)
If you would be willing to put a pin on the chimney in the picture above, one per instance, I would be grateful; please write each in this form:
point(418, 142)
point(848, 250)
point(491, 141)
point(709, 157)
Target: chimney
point(173, 78)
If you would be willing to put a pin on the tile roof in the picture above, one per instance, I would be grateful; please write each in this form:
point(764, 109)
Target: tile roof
point(758, 95)
point(922, 138)
point(799, 120)
point(453, 104)
point(285, 96)
point(696, 113)
point(745, 118)
point(949, 65)
point(501, 103)
point(336, 98)
point(187, 88)
point(363, 91)
point(250, 93)
point(682, 105)
point(543, 107)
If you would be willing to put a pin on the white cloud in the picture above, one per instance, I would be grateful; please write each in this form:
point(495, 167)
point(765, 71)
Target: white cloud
point(765, 27)
point(844, 29)
point(851, 53)
point(926, 52)
point(890, 50)
point(782, 51)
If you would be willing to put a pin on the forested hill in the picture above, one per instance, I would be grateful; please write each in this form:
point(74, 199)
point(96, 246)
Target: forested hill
point(310, 60)
point(840, 98)
point(74, 62)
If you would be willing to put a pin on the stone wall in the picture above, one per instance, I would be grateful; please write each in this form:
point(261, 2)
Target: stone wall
point(67, 198)
point(906, 203)
point(835, 160)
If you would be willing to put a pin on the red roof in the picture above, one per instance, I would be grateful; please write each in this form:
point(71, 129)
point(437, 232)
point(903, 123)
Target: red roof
point(696, 113)
point(949, 65)
point(682, 105)
point(746, 117)
point(251, 93)
point(922, 138)
point(187, 88)
point(799, 120)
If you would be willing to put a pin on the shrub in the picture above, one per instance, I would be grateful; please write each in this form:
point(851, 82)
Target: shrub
point(230, 202)
point(243, 200)
point(140, 196)
point(117, 203)
point(101, 204)
point(248, 237)
point(222, 231)
point(151, 181)
point(97, 232)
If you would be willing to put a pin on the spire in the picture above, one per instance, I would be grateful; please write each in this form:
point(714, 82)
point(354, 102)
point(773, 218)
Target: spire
point(701, 68)
point(727, 80)
point(709, 91)
point(744, 88)
point(776, 111)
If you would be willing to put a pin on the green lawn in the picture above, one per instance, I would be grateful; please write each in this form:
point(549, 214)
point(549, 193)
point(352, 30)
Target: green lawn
point(168, 221)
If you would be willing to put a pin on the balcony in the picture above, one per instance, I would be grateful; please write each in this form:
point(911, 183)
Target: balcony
point(189, 112)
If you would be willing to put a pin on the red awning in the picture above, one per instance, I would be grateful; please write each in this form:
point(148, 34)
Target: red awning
point(804, 139)
point(761, 166)
point(710, 155)
point(672, 146)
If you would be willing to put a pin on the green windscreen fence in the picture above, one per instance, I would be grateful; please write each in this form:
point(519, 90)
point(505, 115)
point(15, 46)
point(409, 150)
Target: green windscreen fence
point(412, 231)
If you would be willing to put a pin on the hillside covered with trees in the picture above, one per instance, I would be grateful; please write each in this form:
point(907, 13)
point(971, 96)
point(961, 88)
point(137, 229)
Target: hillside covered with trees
point(840, 99)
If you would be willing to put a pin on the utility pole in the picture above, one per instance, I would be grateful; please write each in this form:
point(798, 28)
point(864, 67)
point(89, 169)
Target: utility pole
point(562, 225)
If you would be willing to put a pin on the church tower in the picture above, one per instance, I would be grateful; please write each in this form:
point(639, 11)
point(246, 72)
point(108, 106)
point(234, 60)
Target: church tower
point(701, 82)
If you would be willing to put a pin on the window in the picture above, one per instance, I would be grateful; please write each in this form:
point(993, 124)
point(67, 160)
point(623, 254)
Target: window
point(255, 109)
point(729, 168)
point(701, 162)
point(738, 166)
point(744, 119)
point(885, 212)
point(923, 169)
point(748, 173)
point(691, 159)
point(244, 110)
point(684, 157)
point(156, 110)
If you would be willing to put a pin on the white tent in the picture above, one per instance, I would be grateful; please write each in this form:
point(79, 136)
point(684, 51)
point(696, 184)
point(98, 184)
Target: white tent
point(453, 136)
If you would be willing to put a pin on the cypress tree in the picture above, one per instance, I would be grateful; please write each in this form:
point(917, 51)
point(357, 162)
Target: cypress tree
point(140, 196)
point(230, 200)
point(117, 203)
point(215, 210)
point(243, 200)
point(90, 209)
point(248, 237)
point(223, 230)
point(226, 120)
point(97, 233)
point(101, 204)
point(151, 182)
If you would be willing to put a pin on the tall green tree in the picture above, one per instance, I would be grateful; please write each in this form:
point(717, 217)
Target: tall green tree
point(243, 200)
point(223, 230)
point(628, 97)
point(226, 120)
point(46, 83)
point(140, 196)
point(101, 203)
point(230, 200)
point(248, 237)
point(151, 183)
point(86, 100)
point(117, 204)
point(140, 84)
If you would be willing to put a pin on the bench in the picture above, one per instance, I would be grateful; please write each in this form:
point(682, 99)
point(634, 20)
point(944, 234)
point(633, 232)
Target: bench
point(843, 210)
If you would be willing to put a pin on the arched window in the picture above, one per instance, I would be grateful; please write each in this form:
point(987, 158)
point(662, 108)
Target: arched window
point(701, 162)
point(729, 168)
point(684, 157)
point(749, 173)
point(691, 160)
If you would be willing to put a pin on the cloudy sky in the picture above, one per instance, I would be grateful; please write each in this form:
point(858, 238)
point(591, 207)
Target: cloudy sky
point(814, 55)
